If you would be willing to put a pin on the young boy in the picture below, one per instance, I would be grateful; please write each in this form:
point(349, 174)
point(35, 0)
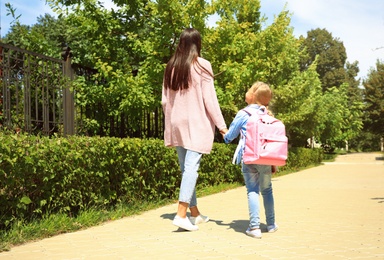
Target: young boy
point(257, 177)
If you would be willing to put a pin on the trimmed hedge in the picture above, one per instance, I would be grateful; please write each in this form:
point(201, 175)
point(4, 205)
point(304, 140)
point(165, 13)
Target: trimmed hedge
point(41, 175)
point(299, 158)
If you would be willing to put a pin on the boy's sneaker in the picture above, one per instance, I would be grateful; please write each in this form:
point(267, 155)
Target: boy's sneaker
point(184, 223)
point(199, 219)
point(272, 228)
point(256, 233)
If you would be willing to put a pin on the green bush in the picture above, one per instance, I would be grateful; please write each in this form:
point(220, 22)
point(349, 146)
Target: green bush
point(217, 166)
point(366, 142)
point(299, 158)
point(40, 175)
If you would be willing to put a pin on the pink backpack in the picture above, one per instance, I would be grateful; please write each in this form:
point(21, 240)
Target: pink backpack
point(265, 141)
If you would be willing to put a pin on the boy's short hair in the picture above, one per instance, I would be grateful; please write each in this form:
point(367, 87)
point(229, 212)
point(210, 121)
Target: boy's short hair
point(261, 92)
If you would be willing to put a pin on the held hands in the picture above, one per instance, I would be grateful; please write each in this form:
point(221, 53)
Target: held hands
point(223, 132)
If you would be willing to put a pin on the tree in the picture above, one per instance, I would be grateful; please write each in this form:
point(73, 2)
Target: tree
point(299, 104)
point(374, 100)
point(340, 87)
point(45, 37)
point(343, 119)
point(332, 57)
point(130, 45)
point(244, 53)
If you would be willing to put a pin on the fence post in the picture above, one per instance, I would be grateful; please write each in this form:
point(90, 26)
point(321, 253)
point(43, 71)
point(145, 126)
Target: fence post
point(68, 96)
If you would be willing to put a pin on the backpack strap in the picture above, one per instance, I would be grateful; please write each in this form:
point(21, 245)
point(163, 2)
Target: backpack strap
point(261, 109)
point(239, 145)
point(246, 111)
point(236, 152)
point(241, 142)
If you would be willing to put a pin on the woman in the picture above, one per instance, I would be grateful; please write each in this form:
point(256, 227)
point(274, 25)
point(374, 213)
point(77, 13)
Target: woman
point(191, 112)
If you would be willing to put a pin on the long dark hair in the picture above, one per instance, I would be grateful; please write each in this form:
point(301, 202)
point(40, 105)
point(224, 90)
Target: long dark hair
point(177, 74)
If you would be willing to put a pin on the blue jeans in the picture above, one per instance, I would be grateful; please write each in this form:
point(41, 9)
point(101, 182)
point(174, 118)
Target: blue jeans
point(258, 179)
point(189, 164)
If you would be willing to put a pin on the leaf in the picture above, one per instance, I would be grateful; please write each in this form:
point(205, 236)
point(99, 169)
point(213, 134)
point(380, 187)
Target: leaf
point(26, 200)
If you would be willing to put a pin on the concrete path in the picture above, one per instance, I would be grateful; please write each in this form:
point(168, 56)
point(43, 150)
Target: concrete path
point(334, 211)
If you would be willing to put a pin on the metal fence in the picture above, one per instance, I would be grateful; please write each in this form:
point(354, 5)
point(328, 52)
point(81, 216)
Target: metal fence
point(35, 94)
point(35, 97)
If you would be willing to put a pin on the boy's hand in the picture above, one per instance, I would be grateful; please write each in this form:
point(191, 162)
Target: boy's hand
point(273, 169)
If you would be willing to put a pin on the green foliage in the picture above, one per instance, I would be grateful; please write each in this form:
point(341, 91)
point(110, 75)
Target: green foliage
point(239, 11)
point(45, 37)
point(299, 158)
point(330, 117)
point(219, 161)
point(299, 105)
point(343, 121)
point(365, 142)
point(374, 100)
point(330, 54)
point(339, 109)
point(130, 44)
point(12, 12)
point(242, 53)
point(42, 176)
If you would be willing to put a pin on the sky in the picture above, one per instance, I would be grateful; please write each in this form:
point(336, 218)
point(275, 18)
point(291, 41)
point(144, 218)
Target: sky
point(358, 24)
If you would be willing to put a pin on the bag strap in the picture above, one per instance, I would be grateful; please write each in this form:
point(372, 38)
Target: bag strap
point(261, 109)
point(246, 111)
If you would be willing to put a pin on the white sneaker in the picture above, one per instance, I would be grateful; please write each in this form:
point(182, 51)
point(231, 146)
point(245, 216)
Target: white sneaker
point(184, 223)
point(272, 228)
point(199, 219)
point(256, 233)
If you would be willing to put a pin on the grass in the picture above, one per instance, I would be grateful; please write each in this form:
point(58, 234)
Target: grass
point(56, 224)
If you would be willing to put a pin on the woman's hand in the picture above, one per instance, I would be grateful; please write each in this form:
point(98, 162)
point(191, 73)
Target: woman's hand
point(223, 132)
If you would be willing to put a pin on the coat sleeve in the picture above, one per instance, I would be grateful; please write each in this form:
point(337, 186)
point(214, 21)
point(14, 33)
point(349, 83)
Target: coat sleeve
point(210, 98)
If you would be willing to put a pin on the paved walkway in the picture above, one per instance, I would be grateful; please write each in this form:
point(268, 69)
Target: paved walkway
point(334, 211)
